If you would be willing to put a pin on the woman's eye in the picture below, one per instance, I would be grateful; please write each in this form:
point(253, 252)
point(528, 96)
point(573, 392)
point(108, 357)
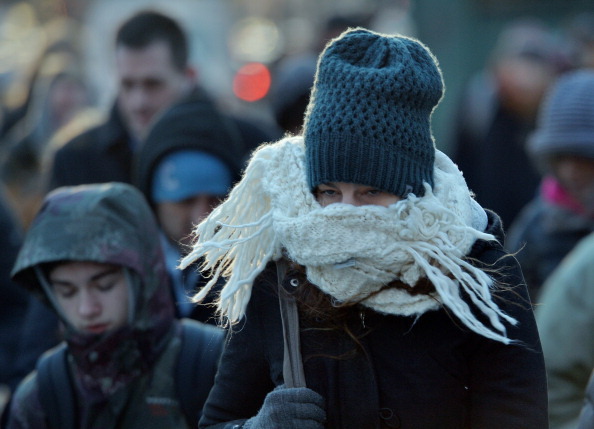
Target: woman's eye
point(326, 192)
point(374, 192)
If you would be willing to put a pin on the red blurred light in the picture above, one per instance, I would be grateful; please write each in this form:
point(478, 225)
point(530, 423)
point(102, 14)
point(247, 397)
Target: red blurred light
point(252, 82)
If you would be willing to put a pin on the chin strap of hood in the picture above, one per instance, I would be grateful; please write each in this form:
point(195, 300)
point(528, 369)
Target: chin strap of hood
point(349, 252)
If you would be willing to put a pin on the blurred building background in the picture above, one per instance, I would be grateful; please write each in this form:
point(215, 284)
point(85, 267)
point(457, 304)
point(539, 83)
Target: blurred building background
point(233, 39)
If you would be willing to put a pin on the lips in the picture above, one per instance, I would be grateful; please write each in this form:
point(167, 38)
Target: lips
point(97, 329)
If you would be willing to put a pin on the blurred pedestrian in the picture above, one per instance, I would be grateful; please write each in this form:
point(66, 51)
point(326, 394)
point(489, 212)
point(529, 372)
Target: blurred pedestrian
point(292, 81)
point(59, 37)
point(398, 305)
point(153, 72)
point(93, 255)
point(497, 112)
point(565, 318)
point(60, 92)
point(151, 64)
point(563, 211)
point(185, 168)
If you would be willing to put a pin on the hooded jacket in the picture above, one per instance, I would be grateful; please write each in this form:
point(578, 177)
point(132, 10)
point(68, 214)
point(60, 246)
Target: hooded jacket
point(115, 373)
point(194, 123)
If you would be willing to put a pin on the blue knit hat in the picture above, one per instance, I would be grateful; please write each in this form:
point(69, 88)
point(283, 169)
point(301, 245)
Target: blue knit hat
point(368, 120)
point(188, 173)
point(565, 122)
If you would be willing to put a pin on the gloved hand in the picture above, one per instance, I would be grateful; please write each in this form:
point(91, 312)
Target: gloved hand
point(290, 408)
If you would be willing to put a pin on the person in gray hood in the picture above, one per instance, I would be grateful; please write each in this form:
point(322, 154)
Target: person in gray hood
point(93, 255)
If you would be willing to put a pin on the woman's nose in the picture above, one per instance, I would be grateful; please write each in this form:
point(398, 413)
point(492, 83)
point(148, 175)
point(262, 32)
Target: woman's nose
point(350, 198)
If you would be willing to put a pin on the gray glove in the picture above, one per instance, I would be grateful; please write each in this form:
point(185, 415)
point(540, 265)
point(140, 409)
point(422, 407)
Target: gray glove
point(290, 408)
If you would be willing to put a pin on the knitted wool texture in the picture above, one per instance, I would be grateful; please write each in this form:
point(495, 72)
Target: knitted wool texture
point(566, 119)
point(349, 252)
point(368, 120)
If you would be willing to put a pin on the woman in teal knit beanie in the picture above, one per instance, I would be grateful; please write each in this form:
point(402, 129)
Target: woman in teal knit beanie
point(365, 286)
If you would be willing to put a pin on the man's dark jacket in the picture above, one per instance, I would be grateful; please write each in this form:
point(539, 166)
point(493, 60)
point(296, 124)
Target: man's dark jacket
point(100, 154)
point(105, 153)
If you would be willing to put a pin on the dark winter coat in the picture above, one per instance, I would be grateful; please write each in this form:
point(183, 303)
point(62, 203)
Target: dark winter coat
point(98, 155)
point(488, 147)
point(105, 153)
point(542, 235)
point(428, 372)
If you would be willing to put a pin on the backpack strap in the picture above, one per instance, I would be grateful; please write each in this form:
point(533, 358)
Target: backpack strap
point(56, 392)
point(293, 373)
point(201, 347)
point(196, 366)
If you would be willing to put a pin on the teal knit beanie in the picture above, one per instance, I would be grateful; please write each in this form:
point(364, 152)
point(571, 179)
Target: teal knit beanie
point(368, 119)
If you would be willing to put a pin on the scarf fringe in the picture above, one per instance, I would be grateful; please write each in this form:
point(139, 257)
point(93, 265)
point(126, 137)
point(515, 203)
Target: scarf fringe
point(237, 240)
point(240, 236)
point(477, 285)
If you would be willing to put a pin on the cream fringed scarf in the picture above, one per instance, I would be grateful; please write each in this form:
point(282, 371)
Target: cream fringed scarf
point(349, 252)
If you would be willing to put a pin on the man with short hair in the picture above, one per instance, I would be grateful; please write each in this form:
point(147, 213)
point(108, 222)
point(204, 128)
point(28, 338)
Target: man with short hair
point(152, 65)
point(153, 72)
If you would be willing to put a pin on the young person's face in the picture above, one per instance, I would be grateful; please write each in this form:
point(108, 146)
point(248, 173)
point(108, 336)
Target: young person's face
point(178, 218)
point(354, 194)
point(93, 296)
point(149, 83)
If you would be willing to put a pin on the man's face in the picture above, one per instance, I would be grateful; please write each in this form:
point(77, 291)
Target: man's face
point(93, 296)
point(149, 83)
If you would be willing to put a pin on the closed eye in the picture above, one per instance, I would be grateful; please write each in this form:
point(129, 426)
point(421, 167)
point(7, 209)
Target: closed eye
point(65, 290)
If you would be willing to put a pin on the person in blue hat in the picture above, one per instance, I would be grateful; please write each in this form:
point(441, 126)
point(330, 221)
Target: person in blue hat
point(364, 285)
point(185, 168)
point(187, 185)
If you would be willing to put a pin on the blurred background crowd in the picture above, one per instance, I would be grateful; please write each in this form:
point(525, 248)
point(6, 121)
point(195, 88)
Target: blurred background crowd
point(56, 62)
point(257, 58)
